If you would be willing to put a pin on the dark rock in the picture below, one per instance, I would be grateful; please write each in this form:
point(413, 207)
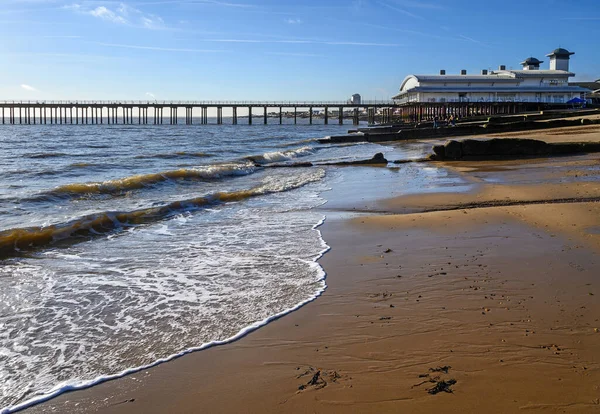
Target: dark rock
point(453, 150)
point(379, 158)
point(472, 147)
point(516, 146)
point(509, 148)
point(376, 160)
point(439, 151)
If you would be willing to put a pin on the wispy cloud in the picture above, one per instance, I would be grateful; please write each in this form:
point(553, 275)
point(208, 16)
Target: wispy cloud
point(294, 54)
point(197, 2)
point(107, 14)
point(399, 10)
point(293, 21)
point(470, 39)
point(28, 88)
point(151, 95)
point(152, 22)
point(357, 5)
point(121, 13)
point(418, 4)
point(302, 41)
point(159, 49)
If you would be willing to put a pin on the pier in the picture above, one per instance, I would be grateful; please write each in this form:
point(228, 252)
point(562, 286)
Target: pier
point(153, 112)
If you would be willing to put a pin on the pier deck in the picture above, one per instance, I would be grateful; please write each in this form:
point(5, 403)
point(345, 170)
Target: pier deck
point(153, 112)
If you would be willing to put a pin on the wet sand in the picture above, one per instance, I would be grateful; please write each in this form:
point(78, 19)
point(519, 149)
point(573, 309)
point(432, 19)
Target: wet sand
point(498, 286)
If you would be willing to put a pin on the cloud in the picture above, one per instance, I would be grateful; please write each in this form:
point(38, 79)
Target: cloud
point(357, 5)
point(418, 4)
point(399, 10)
point(152, 22)
point(294, 54)
point(293, 21)
point(302, 42)
point(122, 14)
point(470, 39)
point(151, 95)
point(160, 49)
point(200, 2)
point(29, 88)
point(107, 14)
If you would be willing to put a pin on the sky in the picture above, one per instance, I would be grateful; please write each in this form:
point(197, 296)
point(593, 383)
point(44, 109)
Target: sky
point(275, 49)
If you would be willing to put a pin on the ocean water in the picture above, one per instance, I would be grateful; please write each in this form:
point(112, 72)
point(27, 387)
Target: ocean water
point(123, 246)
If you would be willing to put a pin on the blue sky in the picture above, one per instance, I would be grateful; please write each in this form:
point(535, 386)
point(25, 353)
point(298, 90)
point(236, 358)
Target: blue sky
point(274, 49)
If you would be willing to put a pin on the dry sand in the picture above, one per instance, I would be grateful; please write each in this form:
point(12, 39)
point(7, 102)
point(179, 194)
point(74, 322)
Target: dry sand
point(502, 296)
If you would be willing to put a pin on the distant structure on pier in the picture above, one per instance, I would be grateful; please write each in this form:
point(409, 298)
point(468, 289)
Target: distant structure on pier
point(594, 96)
point(530, 84)
point(355, 99)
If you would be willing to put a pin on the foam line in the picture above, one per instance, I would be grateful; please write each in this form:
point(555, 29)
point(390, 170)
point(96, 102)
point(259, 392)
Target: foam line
point(61, 389)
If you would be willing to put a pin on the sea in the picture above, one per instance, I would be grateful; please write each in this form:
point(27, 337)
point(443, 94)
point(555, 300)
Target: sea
point(124, 246)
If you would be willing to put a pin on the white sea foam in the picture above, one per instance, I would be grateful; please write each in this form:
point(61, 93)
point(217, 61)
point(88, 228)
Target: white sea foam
point(278, 156)
point(79, 385)
point(110, 303)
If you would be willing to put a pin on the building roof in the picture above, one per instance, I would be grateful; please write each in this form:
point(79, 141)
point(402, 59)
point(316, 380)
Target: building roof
point(501, 76)
point(506, 78)
point(560, 53)
point(537, 73)
point(594, 86)
point(501, 89)
point(531, 61)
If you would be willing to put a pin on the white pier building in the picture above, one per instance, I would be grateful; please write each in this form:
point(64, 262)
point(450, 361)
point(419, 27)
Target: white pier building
point(530, 84)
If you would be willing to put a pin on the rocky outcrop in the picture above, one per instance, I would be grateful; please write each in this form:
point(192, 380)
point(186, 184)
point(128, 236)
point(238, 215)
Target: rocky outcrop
point(508, 148)
point(378, 159)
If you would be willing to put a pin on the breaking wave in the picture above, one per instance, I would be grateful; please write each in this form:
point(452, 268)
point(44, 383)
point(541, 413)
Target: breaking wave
point(137, 182)
point(278, 156)
point(14, 242)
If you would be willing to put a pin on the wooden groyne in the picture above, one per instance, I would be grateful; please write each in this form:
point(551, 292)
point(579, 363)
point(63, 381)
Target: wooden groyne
point(412, 132)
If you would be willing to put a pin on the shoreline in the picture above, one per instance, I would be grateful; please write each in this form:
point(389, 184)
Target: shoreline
point(56, 392)
point(344, 326)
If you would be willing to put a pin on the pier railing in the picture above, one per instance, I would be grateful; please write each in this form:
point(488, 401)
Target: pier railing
point(146, 112)
point(202, 103)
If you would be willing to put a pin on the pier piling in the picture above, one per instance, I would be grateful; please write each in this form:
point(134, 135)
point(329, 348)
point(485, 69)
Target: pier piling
point(92, 112)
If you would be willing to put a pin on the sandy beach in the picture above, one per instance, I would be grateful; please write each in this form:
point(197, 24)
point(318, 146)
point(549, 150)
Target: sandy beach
point(483, 300)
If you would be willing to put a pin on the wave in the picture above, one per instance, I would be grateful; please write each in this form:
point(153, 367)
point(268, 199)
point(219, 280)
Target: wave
point(43, 155)
point(62, 388)
point(180, 154)
point(245, 166)
point(14, 242)
point(82, 165)
point(296, 143)
point(278, 156)
point(140, 181)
